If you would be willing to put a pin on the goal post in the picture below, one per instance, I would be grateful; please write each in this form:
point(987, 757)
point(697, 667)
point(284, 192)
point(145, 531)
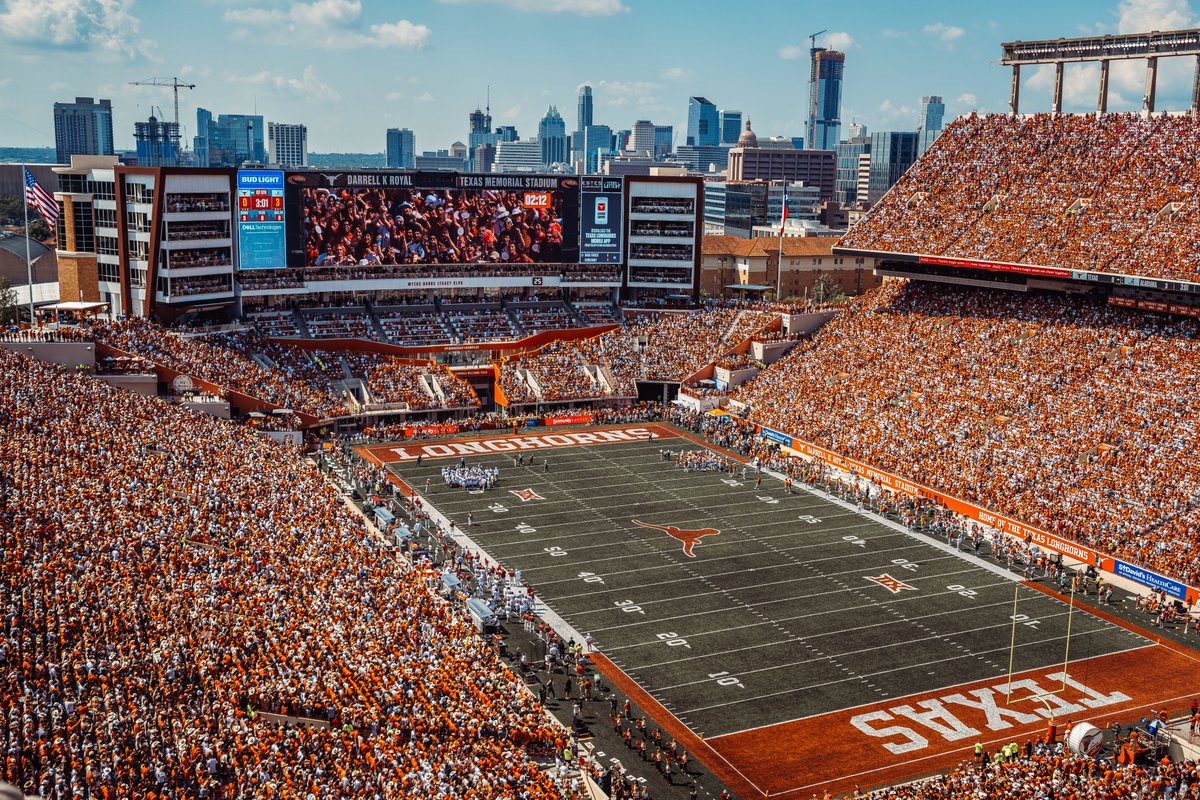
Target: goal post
point(1012, 652)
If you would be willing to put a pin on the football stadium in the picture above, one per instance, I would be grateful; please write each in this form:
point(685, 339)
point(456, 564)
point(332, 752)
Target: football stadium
point(403, 484)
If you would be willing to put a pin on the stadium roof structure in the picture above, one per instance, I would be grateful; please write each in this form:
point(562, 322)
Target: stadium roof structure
point(1116, 47)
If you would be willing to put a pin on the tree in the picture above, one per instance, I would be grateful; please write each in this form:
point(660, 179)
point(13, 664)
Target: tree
point(39, 231)
point(826, 290)
point(8, 302)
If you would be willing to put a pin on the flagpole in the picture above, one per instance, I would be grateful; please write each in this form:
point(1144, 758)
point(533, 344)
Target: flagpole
point(28, 258)
point(779, 265)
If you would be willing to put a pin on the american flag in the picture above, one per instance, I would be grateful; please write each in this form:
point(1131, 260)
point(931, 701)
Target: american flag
point(40, 199)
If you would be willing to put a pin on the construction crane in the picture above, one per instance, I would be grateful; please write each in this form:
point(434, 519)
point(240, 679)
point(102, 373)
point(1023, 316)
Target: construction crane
point(174, 83)
point(812, 39)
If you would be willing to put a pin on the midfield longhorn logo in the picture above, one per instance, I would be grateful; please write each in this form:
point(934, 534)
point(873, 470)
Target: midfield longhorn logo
point(526, 494)
point(689, 538)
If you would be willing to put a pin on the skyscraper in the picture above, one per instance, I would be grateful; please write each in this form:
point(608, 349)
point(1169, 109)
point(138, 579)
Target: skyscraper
point(642, 137)
point(552, 136)
point(401, 148)
point(287, 144)
point(585, 108)
point(933, 110)
point(892, 153)
point(597, 140)
point(157, 143)
point(703, 123)
point(731, 126)
point(230, 140)
point(480, 133)
point(82, 128)
point(664, 141)
point(507, 133)
point(845, 190)
point(825, 98)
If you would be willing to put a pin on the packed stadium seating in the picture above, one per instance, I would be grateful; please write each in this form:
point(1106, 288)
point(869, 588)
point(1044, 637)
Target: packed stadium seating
point(1073, 416)
point(476, 324)
point(1116, 193)
point(559, 371)
point(414, 328)
point(170, 580)
point(280, 324)
point(399, 380)
point(1039, 772)
point(350, 323)
point(228, 361)
point(534, 319)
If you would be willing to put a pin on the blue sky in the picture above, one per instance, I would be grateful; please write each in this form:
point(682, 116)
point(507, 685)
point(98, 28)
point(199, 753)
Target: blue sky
point(350, 69)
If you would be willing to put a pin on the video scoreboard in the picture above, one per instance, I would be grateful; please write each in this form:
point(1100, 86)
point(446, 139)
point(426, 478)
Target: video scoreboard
point(262, 233)
point(600, 201)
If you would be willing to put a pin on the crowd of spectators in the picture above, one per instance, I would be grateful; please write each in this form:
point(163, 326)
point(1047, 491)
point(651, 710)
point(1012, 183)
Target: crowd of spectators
point(191, 203)
point(1114, 193)
point(534, 319)
point(1076, 417)
point(349, 323)
point(205, 284)
point(414, 328)
point(400, 380)
point(208, 257)
point(1030, 771)
point(347, 227)
point(559, 370)
point(173, 582)
point(481, 324)
point(227, 360)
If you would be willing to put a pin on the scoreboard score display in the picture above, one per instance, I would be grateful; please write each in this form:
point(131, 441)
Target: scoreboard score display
point(262, 241)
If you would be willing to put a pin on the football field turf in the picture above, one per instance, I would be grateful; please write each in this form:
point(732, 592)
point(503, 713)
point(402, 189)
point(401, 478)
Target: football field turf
point(808, 645)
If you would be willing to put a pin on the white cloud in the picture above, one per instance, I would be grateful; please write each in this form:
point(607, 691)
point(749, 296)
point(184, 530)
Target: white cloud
point(946, 34)
point(673, 73)
point(423, 97)
point(967, 99)
point(105, 27)
point(620, 93)
point(1174, 74)
point(331, 24)
point(585, 8)
point(892, 33)
point(839, 40)
point(511, 114)
point(791, 52)
point(307, 86)
point(1081, 85)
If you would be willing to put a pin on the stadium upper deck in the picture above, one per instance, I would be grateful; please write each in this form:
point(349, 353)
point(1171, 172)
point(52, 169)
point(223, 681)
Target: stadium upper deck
point(1054, 195)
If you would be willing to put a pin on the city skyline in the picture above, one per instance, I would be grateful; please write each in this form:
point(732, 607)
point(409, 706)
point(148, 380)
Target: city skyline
point(282, 61)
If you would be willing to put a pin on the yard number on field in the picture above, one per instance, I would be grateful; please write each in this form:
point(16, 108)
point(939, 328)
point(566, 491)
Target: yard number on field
point(628, 606)
point(728, 680)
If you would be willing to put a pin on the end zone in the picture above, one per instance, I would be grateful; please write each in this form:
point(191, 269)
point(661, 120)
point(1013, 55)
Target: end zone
point(901, 738)
point(508, 444)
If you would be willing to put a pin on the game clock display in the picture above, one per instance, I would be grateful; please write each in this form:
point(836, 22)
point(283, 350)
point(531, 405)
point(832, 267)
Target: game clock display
point(260, 215)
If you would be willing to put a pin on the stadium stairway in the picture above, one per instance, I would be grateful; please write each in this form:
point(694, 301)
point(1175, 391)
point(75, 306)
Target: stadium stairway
point(576, 315)
point(455, 336)
point(513, 320)
point(430, 384)
point(531, 381)
point(376, 325)
point(301, 323)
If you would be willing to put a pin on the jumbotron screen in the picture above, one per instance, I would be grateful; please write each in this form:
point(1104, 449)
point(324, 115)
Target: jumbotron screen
point(396, 218)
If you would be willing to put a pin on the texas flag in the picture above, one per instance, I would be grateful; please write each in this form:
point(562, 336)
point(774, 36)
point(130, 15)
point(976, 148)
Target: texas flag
point(783, 221)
